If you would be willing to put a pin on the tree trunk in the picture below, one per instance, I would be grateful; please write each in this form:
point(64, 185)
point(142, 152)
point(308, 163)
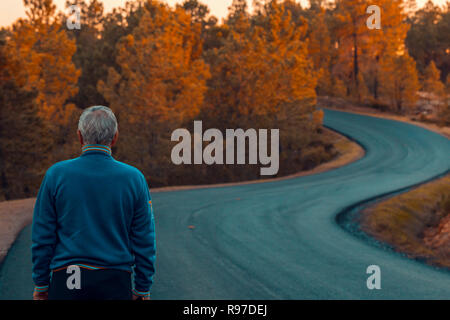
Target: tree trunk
point(376, 84)
point(355, 60)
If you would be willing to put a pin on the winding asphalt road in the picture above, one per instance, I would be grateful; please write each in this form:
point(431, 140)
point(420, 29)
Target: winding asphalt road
point(280, 240)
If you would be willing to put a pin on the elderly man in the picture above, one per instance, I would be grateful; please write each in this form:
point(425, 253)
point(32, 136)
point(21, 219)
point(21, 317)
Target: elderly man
point(93, 221)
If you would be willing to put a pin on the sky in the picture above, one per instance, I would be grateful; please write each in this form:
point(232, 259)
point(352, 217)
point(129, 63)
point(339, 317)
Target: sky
point(10, 10)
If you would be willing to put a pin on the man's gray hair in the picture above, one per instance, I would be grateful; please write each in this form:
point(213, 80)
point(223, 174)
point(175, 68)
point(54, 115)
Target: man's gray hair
point(97, 125)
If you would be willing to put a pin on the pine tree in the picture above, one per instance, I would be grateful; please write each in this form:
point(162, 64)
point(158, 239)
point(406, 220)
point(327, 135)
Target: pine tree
point(88, 58)
point(159, 85)
point(320, 49)
point(42, 45)
point(428, 37)
point(197, 10)
point(386, 43)
point(351, 31)
point(432, 81)
point(262, 77)
point(24, 142)
point(265, 65)
point(399, 82)
point(434, 88)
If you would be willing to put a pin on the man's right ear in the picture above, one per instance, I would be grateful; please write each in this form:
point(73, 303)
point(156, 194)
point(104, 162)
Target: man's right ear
point(114, 140)
point(80, 137)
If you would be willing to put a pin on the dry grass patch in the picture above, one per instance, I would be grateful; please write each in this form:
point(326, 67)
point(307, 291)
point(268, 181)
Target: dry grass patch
point(416, 223)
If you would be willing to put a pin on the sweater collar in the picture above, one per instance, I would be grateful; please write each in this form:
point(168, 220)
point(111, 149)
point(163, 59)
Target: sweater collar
point(99, 148)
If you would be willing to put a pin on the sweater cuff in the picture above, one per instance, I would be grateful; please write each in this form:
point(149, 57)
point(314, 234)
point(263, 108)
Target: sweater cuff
point(41, 288)
point(141, 293)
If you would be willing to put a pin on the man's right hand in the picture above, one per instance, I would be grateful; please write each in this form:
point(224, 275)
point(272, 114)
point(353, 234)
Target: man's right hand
point(40, 295)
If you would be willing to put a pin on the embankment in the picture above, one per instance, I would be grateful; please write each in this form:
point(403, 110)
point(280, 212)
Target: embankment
point(416, 223)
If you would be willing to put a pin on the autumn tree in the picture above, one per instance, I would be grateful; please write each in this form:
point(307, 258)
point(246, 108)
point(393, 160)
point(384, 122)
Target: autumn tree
point(267, 65)
point(433, 87)
point(88, 57)
point(366, 54)
point(351, 30)
point(428, 37)
point(198, 11)
point(320, 48)
point(45, 53)
point(159, 85)
point(431, 82)
point(262, 77)
point(41, 42)
point(386, 43)
point(24, 142)
point(37, 79)
point(443, 39)
point(210, 30)
point(399, 82)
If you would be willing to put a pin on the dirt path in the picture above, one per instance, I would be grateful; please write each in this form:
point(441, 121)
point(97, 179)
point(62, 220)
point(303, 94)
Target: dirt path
point(14, 216)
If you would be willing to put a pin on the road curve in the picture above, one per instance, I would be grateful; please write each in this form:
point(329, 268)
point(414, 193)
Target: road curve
point(280, 240)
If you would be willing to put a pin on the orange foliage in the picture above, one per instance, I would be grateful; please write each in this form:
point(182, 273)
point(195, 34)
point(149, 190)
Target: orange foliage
point(162, 76)
point(44, 52)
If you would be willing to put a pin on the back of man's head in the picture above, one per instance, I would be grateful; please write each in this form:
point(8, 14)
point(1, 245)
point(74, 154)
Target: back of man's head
point(97, 125)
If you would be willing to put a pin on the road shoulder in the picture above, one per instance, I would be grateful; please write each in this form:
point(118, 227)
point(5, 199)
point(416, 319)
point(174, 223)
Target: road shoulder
point(14, 216)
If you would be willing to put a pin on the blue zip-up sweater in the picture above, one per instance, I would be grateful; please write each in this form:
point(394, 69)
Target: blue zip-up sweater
point(96, 212)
